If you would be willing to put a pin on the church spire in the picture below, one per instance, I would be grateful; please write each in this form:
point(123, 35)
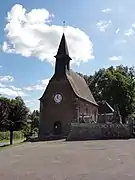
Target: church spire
point(62, 58)
point(63, 48)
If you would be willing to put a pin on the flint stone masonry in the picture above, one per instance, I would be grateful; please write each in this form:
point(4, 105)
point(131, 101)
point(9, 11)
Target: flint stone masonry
point(98, 131)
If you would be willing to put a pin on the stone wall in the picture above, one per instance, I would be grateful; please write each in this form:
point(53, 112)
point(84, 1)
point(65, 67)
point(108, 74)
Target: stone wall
point(105, 118)
point(87, 109)
point(84, 131)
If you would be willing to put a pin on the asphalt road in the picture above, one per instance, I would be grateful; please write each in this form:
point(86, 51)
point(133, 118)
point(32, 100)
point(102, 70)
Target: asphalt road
point(59, 160)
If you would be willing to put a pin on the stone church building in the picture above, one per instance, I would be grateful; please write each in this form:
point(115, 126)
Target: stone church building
point(66, 99)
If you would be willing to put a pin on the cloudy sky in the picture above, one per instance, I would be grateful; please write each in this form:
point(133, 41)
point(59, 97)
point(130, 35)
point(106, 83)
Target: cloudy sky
point(99, 34)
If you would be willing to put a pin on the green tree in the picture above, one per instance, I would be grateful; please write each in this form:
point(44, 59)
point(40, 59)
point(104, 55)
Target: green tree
point(116, 86)
point(17, 116)
point(3, 111)
point(34, 118)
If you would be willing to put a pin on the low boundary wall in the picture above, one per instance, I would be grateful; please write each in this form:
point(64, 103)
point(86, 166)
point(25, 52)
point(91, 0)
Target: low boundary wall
point(83, 131)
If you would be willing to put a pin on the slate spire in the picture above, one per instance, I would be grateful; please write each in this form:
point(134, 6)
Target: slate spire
point(63, 48)
point(62, 58)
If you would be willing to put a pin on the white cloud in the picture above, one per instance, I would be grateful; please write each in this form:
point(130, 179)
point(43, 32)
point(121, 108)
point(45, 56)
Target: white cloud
point(6, 47)
point(117, 30)
point(27, 101)
point(106, 10)
point(133, 25)
point(30, 101)
point(2, 85)
point(40, 86)
point(28, 88)
point(120, 41)
point(10, 91)
point(30, 34)
point(129, 32)
point(15, 88)
point(103, 25)
point(115, 58)
point(7, 78)
point(32, 104)
point(45, 81)
point(1, 66)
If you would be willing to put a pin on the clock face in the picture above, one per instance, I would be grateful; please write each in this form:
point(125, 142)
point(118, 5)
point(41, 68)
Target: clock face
point(58, 98)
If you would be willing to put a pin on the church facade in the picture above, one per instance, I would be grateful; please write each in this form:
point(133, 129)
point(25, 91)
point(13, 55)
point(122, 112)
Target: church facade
point(66, 99)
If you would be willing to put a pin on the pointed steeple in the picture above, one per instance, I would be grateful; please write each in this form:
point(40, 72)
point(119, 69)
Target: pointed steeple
point(62, 58)
point(63, 49)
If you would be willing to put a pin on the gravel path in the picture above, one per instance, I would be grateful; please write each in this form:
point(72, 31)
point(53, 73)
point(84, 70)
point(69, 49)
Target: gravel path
point(59, 160)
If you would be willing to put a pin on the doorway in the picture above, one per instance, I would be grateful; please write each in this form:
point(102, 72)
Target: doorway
point(57, 129)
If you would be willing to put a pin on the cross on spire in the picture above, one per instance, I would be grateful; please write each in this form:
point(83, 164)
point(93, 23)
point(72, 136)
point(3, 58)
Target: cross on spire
point(64, 25)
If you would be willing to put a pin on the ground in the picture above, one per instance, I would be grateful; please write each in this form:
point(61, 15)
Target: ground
point(60, 160)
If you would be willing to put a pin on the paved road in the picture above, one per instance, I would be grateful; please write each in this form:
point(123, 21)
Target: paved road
point(59, 160)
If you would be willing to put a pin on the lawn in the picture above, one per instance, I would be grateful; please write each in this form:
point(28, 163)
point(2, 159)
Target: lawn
point(5, 136)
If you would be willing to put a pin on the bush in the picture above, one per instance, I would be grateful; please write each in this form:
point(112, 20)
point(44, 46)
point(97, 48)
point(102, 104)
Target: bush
point(26, 130)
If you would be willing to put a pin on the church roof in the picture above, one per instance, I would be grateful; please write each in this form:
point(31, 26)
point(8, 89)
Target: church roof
point(105, 108)
point(63, 48)
point(80, 87)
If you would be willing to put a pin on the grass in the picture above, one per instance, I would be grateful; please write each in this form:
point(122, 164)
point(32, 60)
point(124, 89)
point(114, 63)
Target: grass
point(14, 140)
point(5, 138)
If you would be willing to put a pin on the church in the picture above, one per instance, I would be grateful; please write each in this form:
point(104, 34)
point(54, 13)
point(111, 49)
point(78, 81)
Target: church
point(66, 99)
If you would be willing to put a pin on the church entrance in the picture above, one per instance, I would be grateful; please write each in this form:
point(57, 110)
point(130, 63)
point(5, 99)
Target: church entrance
point(57, 129)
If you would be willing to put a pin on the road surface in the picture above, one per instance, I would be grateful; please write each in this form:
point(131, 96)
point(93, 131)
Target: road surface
point(60, 160)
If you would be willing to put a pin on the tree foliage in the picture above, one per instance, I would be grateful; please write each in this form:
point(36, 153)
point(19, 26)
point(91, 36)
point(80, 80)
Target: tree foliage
point(116, 86)
point(34, 118)
point(3, 111)
point(13, 115)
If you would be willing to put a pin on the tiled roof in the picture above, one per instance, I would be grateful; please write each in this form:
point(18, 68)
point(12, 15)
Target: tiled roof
point(80, 87)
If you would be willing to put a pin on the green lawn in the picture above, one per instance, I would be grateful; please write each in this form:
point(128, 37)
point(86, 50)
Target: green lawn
point(5, 136)
point(14, 140)
point(18, 138)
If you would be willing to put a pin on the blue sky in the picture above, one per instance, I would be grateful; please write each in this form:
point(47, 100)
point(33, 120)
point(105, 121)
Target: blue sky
point(99, 34)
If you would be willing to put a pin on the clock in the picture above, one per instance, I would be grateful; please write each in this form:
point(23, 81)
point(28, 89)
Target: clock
point(58, 98)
